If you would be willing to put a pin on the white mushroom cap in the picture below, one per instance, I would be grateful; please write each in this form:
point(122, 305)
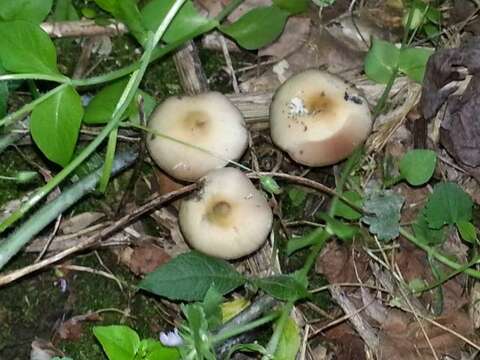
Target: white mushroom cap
point(318, 119)
point(208, 121)
point(228, 218)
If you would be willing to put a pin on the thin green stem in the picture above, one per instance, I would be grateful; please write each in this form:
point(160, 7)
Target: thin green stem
point(10, 178)
point(11, 118)
point(240, 329)
point(123, 103)
point(56, 78)
point(439, 256)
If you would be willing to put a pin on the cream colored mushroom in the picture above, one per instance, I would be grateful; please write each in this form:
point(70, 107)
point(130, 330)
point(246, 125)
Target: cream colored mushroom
point(318, 118)
point(228, 217)
point(208, 121)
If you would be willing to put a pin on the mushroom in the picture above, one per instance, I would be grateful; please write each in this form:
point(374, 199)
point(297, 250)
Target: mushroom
point(228, 217)
point(208, 122)
point(318, 118)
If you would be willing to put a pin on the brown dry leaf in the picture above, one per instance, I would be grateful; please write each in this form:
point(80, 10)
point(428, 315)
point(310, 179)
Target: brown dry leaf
point(72, 329)
point(80, 222)
point(341, 264)
point(143, 259)
point(347, 344)
point(293, 37)
point(415, 198)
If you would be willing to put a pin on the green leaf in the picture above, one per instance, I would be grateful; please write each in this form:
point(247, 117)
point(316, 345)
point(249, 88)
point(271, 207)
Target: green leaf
point(26, 48)
point(127, 12)
point(100, 108)
point(292, 6)
point(413, 61)
point(196, 334)
point(151, 349)
point(467, 231)
point(189, 276)
point(118, 342)
point(211, 306)
point(381, 61)
point(315, 237)
point(417, 166)
point(282, 287)
point(425, 234)
point(34, 11)
point(338, 228)
point(4, 94)
point(297, 196)
point(187, 20)
point(448, 205)
point(289, 343)
point(64, 11)
point(252, 347)
point(258, 27)
point(383, 209)
point(55, 124)
point(343, 210)
point(270, 185)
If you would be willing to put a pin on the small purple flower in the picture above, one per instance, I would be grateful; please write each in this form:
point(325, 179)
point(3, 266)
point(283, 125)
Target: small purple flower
point(62, 284)
point(171, 338)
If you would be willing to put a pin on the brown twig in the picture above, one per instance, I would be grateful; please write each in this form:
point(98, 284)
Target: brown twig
point(156, 201)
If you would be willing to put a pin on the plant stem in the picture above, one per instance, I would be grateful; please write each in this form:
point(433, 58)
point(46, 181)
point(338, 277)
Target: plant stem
point(44, 216)
point(277, 333)
point(123, 103)
point(56, 78)
point(10, 118)
point(439, 256)
point(231, 332)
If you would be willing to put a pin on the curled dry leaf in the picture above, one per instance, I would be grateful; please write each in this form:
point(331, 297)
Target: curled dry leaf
point(72, 329)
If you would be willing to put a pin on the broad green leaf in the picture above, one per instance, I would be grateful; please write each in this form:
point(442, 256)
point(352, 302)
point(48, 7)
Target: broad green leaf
point(417, 166)
point(119, 342)
point(289, 343)
point(258, 27)
point(149, 104)
point(150, 349)
point(282, 287)
point(319, 236)
point(413, 61)
point(382, 210)
point(343, 210)
point(55, 124)
point(187, 20)
point(448, 205)
point(34, 11)
point(127, 12)
point(292, 6)
point(189, 276)
point(467, 231)
point(338, 228)
point(381, 61)
point(232, 308)
point(64, 11)
point(26, 48)
point(424, 233)
point(211, 306)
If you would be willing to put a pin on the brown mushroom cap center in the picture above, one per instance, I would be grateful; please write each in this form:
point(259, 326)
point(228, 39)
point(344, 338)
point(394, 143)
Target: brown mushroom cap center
point(219, 213)
point(196, 121)
point(319, 103)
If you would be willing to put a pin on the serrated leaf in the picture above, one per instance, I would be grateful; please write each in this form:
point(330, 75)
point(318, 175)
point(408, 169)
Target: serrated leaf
point(258, 27)
point(34, 11)
point(417, 166)
point(343, 210)
point(55, 124)
point(187, 20)
point(292, 6)
point(119, 342)
point(289, 343)
point(447, 205)
point(282, 287)
point(189, 276)
point(383, 209)
point(381, 61)
point(425, 234)
point(26, 48)
point(413, 61)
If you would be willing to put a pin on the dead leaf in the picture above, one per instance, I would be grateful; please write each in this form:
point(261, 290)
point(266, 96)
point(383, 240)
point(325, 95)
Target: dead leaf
point(72, 329)
point(80, 222)
point(43, 350)
point(143, 259)
point(348, 345)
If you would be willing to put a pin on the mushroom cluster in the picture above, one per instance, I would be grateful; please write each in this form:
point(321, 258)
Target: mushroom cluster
point(315, 117)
